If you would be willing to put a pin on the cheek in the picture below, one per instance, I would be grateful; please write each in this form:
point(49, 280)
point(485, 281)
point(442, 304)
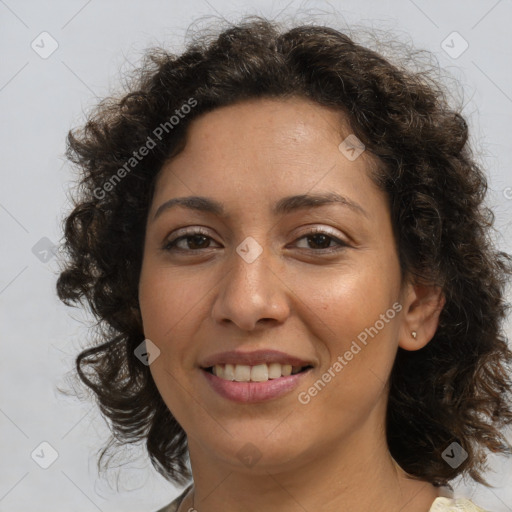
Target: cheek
point(162, 305)
point(359, 350)
point(166, 300)
point(351, 313)
point(166, 303)
point(349, 299)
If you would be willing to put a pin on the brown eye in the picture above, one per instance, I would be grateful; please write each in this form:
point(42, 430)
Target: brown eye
point(192, 241)
point(320, 240)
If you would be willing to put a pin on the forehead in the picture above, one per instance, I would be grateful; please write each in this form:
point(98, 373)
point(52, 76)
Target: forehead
point(266, 148)
point(281, 126)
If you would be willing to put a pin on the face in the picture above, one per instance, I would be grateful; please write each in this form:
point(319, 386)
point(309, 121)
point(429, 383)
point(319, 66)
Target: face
point(317, 282)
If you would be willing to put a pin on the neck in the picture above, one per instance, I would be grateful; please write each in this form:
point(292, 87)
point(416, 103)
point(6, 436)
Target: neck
point(357, 476)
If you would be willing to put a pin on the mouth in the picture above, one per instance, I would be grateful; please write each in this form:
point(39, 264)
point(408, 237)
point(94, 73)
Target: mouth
point(256, 373)
point(256, 383)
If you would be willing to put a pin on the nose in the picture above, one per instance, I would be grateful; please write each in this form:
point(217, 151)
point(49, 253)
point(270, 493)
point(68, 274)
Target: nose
point(251, 293)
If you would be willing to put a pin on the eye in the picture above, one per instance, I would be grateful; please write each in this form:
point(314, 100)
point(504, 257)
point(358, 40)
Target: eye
point(320, 240)
point(190, 241)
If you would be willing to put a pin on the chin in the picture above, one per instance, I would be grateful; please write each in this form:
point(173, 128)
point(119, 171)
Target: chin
point(256, 452)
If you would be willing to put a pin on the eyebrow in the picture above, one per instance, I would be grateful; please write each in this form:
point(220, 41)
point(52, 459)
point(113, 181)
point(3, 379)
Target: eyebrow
point(283, 206)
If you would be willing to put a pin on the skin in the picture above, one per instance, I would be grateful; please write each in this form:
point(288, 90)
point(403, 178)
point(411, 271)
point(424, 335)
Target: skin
point(331, 453)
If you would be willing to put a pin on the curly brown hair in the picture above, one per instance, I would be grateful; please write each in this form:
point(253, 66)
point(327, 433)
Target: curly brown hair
point(457, 388)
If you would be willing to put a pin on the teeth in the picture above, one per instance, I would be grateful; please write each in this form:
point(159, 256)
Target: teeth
point(274, 370)
point(242, 373)
point(257, 373)
point(286, 369)
point(219, 371)
point(229, 372)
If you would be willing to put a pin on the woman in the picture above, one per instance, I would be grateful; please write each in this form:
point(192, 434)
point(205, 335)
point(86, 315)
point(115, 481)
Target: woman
point(283, 237)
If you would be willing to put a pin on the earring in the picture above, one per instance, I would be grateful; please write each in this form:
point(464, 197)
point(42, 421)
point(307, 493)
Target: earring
point(414, 334)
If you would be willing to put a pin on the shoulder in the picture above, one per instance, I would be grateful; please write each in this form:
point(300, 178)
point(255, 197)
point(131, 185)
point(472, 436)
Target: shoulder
point(173, 506)
point(443, 504)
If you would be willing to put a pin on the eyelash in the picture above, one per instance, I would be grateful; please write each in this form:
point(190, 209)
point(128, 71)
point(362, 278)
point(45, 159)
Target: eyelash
point(170, 246)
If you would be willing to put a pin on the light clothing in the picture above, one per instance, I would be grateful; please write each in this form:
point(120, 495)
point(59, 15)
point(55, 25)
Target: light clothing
point(173, 506)
point(441, 504)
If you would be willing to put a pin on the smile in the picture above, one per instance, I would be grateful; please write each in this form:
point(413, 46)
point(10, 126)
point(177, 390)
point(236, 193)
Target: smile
point(270, 386)
point(256, 373)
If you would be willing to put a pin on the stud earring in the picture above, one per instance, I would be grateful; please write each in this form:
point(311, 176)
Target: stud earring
point(414, 334)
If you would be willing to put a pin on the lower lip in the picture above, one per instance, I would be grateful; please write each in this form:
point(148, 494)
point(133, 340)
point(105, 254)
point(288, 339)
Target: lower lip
point(251, 392)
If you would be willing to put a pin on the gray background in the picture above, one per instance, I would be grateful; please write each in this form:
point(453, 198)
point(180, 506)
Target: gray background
point(42, 98)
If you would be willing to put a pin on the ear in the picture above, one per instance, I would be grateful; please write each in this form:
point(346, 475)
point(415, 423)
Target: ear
point(423, 304)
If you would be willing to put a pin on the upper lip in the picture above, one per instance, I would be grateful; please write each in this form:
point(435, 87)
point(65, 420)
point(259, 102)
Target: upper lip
point(253, 358)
